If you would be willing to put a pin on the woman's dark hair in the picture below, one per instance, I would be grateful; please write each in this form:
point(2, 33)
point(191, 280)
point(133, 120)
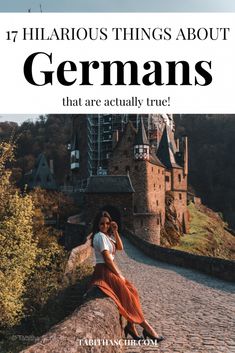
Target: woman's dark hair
point(96, 223)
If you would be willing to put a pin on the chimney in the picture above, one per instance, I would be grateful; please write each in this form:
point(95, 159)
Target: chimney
point(177, 142)
point(51, 166)
point(185, 153)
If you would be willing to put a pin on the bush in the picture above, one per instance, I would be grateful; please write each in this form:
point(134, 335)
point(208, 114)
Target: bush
point(32, 263)
point(17, 247)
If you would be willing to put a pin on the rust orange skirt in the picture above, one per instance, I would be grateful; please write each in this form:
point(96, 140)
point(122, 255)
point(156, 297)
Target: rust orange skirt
point(123, 293)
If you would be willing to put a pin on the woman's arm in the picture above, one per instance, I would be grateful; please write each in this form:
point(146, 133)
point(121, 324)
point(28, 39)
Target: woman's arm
point(119, 244)
point(110, 264)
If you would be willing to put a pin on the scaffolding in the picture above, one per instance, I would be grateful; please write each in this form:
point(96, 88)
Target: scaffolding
point(101, 129)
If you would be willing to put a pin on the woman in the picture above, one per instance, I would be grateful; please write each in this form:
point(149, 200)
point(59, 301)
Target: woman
point(107, 276)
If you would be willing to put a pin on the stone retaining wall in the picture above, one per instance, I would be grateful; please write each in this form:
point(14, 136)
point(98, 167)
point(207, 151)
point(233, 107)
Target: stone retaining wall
point(224, 269)
point(77, 256)
point(97, 318)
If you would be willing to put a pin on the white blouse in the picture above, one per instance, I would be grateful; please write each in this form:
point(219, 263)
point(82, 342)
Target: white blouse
point(103, 242)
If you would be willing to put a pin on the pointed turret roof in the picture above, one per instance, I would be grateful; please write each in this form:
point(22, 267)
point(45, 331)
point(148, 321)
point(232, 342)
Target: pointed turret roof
point(41, 175)
point(141, 137)
point(166, 150)
point(155, 160)
point(41, 161)
point(75, 140)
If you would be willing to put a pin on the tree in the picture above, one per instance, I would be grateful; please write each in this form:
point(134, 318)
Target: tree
point(31, 261)
point(18, 249)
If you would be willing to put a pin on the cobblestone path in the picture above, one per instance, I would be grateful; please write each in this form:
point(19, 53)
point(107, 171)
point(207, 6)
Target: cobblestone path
point(195, 312)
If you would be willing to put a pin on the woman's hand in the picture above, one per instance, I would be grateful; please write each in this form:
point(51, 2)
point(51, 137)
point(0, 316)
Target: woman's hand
point(114, 226)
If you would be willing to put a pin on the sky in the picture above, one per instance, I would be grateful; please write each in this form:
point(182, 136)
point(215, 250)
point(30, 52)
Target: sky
point(19, 118)
point(118, 5)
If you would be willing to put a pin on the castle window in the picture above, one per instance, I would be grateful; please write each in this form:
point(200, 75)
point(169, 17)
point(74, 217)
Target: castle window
point(157, 202)
point(136, 167)
point(179, 178)
point(116, 167)
point(160, 186)
point(152, 169)
point(158, 222)
point(167, 178)
point(158, 171)
point(127, 168)
point(160, 215)
point(180, 196)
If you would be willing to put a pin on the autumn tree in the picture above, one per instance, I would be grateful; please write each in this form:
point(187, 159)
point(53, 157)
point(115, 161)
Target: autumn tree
point(32, 263)
point(18, 248)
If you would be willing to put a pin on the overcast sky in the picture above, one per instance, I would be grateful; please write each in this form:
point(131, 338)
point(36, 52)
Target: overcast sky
point(19, 118)
point(117, 5)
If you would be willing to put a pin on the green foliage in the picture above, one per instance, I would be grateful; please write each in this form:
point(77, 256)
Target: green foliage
point(18, 249)
point(211, 161)
point(47, 278)
point(52, 204)
point(207, 235)
point(55, 310)
point(32, 263)
point(49, 135)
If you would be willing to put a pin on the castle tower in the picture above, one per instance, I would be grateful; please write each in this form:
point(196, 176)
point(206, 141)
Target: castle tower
point(132, 156)
point(185, 154)
point(167, 149)
point(176, 172)
point(141, 144)
point(74, 153)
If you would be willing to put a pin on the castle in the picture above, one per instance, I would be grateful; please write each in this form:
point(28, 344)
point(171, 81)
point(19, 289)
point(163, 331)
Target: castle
point(140, 174)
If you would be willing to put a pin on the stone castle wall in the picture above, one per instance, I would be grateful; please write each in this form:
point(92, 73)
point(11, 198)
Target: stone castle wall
point(122, 203)
point(147, 226)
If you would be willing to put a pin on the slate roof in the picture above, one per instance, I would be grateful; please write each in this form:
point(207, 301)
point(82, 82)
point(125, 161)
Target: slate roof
point(141, 137)
point(75, 144)
point(166, 150)
point(40, 175)
point(109, 184)
point(154, 160)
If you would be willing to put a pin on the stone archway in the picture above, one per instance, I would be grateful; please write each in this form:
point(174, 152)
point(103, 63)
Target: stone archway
point(115, 214)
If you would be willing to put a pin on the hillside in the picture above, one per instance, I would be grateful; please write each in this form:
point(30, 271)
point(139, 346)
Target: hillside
point(207, 235)
point(211, 161)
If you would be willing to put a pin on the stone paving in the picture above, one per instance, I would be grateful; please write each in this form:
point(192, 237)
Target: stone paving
point(195, 312)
